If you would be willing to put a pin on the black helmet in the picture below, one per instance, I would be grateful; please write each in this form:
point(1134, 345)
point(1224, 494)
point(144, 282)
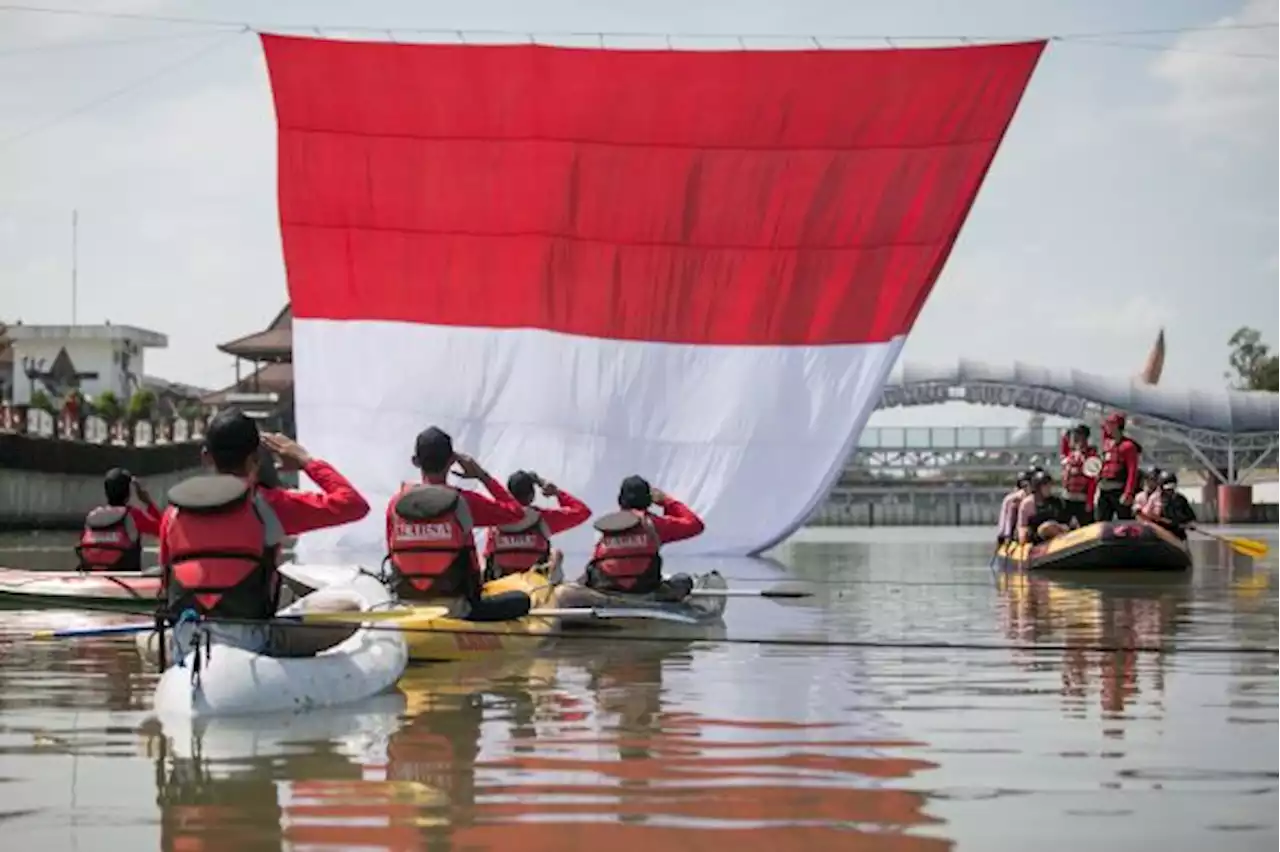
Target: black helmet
point(1041, 477)
point(1025, 477)
point(1080, 429)
point(1153, 473)
point(1023, 480)
point(1168, 480)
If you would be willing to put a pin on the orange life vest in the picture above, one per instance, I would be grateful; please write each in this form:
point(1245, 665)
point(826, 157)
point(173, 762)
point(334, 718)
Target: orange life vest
point(110, 541)
point(222, 542)
point(1075, 483)
point(431, 547)
point(1114, 468)
point(626, 557)
point(518, 547)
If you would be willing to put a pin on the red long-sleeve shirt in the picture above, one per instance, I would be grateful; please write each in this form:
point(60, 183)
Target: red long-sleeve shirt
point(570, 513)
point(146, 519)
point(303, 511)
point(493, 511)
point(1127, 452)
point(677, 522)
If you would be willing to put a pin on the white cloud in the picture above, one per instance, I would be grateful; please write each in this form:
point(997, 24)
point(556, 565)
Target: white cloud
point(1218, 96)
point(1136, 313)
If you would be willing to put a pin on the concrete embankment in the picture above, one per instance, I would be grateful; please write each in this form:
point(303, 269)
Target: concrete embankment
point(35, 500)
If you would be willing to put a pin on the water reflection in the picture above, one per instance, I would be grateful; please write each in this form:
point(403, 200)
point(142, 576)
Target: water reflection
point(1122, 613)
point(562, 752)
point(703, 744)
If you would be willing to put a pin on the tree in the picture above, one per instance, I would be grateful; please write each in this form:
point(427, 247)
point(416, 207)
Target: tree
point(1251, 359)
point(142, 405)
point(108, 406)
point(40, 400)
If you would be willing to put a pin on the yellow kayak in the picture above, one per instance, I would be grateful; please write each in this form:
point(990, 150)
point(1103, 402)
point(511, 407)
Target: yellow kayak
point(433, 638)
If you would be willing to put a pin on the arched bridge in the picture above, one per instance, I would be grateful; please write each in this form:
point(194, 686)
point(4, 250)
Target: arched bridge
point(1230, 432)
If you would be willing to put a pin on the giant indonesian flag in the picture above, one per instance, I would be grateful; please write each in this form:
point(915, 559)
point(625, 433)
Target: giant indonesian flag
point(694, 266)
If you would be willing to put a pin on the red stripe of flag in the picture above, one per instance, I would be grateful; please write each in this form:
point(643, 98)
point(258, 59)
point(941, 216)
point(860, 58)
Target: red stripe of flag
point(740, 197)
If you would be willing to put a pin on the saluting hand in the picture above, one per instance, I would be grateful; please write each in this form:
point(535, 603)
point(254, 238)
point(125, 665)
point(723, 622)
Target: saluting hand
point(140, 492)
point(469, 468)
point(292, 455)
point(657, 495)
point(549, 489)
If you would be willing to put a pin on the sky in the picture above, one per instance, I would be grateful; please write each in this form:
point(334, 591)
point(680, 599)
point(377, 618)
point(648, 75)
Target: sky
point(1136, 188)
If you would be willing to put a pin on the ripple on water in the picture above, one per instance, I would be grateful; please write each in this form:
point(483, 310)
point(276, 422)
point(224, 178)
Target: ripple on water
point(689, 745)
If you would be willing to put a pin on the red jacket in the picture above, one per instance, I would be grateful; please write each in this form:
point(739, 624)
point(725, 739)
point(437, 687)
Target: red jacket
point(501, 509)
point(570, 513)
point(146, 520)
point(1121, 457)
point(677, 522)
point(304, 511)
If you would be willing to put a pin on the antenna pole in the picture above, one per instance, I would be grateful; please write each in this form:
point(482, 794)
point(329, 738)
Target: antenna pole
point(75, 228)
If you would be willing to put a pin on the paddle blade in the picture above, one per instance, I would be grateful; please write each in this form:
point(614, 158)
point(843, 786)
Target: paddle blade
point(1248, 547)
point(417, 613)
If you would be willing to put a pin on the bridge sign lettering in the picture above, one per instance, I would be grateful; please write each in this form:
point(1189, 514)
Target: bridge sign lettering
point(1043, 400)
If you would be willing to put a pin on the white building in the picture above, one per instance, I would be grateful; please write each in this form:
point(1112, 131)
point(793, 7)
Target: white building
point(92, 358)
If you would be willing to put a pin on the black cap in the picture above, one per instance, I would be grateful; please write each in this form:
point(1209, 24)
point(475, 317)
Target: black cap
point(635, 493)
point(117, 485)
point(521, 484)
point(432, 449)
point(231, 438)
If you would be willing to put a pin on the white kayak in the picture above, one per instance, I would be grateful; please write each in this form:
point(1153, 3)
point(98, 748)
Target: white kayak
point(232, 681)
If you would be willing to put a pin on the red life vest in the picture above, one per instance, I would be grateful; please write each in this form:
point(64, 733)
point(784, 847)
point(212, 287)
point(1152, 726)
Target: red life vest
point(1075, 484)
point(431, 547)
point(222, 541)
point(110, 541)
point(518, 547)
point(626, 557)
point(1113, 466)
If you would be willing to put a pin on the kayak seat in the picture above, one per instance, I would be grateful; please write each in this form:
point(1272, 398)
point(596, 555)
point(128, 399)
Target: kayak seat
point(506, 606)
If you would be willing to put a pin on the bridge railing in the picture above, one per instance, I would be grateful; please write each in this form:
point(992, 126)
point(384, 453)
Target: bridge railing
point(995, 438)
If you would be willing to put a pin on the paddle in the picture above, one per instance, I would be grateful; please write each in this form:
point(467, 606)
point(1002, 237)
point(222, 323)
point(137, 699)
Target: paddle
point(87, 632)
point(1245, 546)
point(340, 618)
point(606, 612)
point(749, 593)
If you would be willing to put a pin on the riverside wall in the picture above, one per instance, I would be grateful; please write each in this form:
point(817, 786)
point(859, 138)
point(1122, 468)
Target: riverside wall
point(51, 470)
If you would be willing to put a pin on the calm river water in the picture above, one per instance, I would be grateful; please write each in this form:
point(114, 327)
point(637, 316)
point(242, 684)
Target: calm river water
point(918, 702)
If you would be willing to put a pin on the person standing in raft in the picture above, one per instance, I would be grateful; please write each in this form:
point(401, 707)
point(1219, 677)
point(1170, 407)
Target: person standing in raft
point(220, 537)
point(112, 535)
point(431, 547)
point(1118, 480)
point(513, 548)
point(1168, 508)
point(1040, 512)
point(1078, 487)
point(627, 558)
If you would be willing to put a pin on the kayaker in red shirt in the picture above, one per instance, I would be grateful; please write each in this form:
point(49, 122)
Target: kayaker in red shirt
point(230, 512)
point(513, 548)
point(112, 536)
point(627, 559)
point(1119, 479)
point(430, 532)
